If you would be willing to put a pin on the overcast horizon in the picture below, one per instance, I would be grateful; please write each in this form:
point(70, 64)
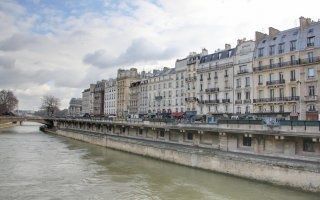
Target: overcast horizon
point(60, 47)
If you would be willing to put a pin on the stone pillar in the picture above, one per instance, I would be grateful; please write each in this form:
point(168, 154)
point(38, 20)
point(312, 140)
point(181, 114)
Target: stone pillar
point(289, 148)
point(223, 141)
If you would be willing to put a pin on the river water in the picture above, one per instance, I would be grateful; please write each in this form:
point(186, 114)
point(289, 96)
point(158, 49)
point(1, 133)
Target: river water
point(34, 165)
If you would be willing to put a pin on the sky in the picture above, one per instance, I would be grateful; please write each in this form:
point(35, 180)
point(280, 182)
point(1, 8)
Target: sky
point(59, 47)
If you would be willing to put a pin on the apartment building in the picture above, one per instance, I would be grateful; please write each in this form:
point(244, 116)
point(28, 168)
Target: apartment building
point(124, 79)
point(87, 100)
point(286, 72)
point(160, 90)
point(134, 101)
point(215, 82)
point(110, 96)
point(98, 98)
point(75, 107)
point(243, 79)
point(179, 87)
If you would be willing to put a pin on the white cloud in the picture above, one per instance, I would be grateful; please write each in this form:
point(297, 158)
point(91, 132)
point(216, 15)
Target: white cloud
point(44, 51)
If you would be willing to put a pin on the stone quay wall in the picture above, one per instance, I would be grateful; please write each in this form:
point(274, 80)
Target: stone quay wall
point(280, 171)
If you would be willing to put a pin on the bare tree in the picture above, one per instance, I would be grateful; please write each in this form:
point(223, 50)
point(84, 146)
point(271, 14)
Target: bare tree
point(50, 104)
point(8, 101)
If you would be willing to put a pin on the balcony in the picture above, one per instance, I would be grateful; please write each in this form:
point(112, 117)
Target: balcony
point(238, 101)
point(243, 71)
point(189, 79)
point(212, 90)
point(276, 99)
point(190, 99)
point(215, 78)
point(210, 101)
point(310, 44)
point(310, 60)
point(247, 101)
point(158, 98)
point(225, 100)
point(311, 98)
point(226, 75)
point(276, 82)
point(278, 65)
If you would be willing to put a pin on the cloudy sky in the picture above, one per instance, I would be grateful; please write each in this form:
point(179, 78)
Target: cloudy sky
point(59, 47)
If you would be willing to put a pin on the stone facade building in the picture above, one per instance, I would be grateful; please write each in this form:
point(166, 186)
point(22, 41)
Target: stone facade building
point(215, 82)
point(110, 97)
point(243, 84)
point(98, 100)
point(124, 79)
point(87, 100)
point(75, 107)
point(160, 92)
point(286, 72)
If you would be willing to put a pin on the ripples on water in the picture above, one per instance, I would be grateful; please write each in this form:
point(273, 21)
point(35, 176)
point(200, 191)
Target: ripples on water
point(34, 165)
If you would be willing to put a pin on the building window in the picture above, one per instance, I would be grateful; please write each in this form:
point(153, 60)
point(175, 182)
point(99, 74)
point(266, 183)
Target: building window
point(281, 108)
point(311, 72)
point(201, 87)
point(271, 91)
point(201, 77)
point(209, 76)
point(260, 109)
point(161, 134)
point(271, 50)
point(247, 81)
point(311, 90)
point(189, 136)
point(310, 57)
point(271, 62)
point(260, 79)
point(308, 145)
point(272, 108)
point(260, 64)
point(281, 93)
point(281, 48)
point(247, 95)
point(292, 59)
point(260, 52)
point(247, 109)
point(238, 83)
point(246, 141)
point(293, 91)
point(311, 107)
point(239, 96)
point(219, 55)
point(260, 94)
point(310, 41)
point(238, 110)
point(293, 45)
point(292, 75)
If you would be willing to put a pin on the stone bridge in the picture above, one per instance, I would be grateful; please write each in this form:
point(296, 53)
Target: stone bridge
point(20, 119)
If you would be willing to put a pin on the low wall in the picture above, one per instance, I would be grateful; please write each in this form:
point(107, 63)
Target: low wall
point(6, 125)
point(259, 169)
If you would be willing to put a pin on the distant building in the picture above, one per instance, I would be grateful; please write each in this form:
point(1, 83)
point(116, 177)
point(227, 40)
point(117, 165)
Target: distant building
point(98, 98)
point(124, 79)
point(87, 100)
point(110, 96)
point(75, 107)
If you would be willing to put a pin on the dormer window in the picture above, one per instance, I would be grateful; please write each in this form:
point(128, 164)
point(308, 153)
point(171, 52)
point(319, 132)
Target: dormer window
point(230, 53)
point(295, 33)
point(219, 56)
point(264, 41)
point(310, 30)
point(274, 38)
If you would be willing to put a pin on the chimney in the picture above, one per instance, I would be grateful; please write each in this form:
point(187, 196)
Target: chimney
point(259, 36)
point(227, 46)
point(273, 32)
point(240, 41)
point(204, 52)
point(304, 22)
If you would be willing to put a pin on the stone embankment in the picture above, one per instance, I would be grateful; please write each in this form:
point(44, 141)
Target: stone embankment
point(302, 175)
